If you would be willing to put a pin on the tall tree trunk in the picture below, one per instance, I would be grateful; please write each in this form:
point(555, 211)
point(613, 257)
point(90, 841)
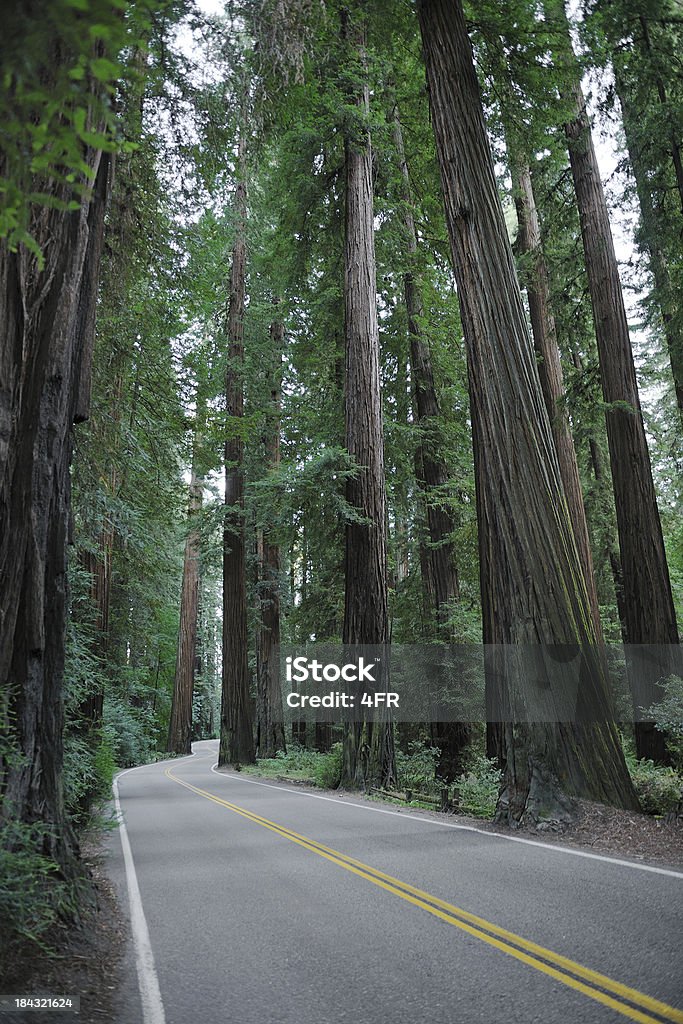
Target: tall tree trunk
point(99, 565)
point(550, 369)
point(438, 562)
point(365, 564)
point(668, 300)
point(270, 721)
point(180, 725)
point(433, 474)
point(648, 601)
point(606, 510)
point(46, 325)
point(236, 739)
point(533, 590)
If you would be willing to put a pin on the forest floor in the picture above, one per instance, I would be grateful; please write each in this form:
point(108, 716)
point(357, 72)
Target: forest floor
point(86, 960)
point(598, 829)
point(609, 831)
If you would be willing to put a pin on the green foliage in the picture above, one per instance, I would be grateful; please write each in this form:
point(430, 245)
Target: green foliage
point(416, 769)
point(477, 788)
point(56, 100)
point(88, 773)
point(328, 770)
point(667, 715)
point(32, 893)
point(296, 763)
point(659, 789)
point(319, 769)
point(130, 731)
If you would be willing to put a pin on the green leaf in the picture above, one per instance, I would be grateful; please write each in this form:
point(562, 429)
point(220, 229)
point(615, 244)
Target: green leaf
point(79, 119)
point(104, 70)
point(95, 139)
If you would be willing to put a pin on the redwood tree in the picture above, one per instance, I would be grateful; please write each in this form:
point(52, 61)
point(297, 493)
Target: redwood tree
point(180, 725)
point(550, 368)
point(431, 470)
point(270, 733)
point(533, 589)
point(236, 736)
point(648, 605)
point(438, 562)
point(365, 565)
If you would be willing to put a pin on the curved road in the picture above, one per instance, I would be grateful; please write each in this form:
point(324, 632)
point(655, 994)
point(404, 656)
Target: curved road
point(255, 903)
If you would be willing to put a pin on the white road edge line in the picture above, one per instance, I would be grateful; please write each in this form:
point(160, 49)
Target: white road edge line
point(669, 872)
point(148, 982)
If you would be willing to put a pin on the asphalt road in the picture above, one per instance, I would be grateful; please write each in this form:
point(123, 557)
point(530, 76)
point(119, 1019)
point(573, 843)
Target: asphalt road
point(256, 903)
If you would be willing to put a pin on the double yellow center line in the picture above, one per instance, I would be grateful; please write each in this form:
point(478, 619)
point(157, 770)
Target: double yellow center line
point(627, 1001)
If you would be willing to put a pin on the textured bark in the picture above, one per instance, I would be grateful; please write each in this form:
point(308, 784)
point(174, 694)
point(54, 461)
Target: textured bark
point(533, 590)
point(606, 509)
point(98, 565)
point(45, 325)
point(647, 598)
point(180, 725)
point(550, 371)
point(236, 737)
point(431, 470)
point(438, 562)
point(365, 565)
point(653, 226)
point(270, 729)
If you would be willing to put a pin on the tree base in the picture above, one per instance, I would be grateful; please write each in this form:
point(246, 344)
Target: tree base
point(537, 799)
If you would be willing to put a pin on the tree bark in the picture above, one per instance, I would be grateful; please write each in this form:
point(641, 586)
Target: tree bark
point(180, 725)
point(270, 727)
point(46, 341)
point(365, 565)
point(647, 598)
point(438, 563)
point(431, 470)
point(654, 226)
point(236, 739)
point(606, 511)
point(533, 589)
point(550, 370)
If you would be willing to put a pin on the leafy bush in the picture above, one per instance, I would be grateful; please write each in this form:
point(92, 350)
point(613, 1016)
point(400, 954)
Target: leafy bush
point(477, 788)
point(297, 763)
point(130, 732)
point(328, 769)
point(323, 770)
point(659, 788)
point(31, 893)
point(416, 770)
point(105, 764)
point(667, 715)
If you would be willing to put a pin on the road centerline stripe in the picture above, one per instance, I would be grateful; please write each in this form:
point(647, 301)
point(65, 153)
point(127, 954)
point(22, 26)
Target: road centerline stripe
point(590, 983)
